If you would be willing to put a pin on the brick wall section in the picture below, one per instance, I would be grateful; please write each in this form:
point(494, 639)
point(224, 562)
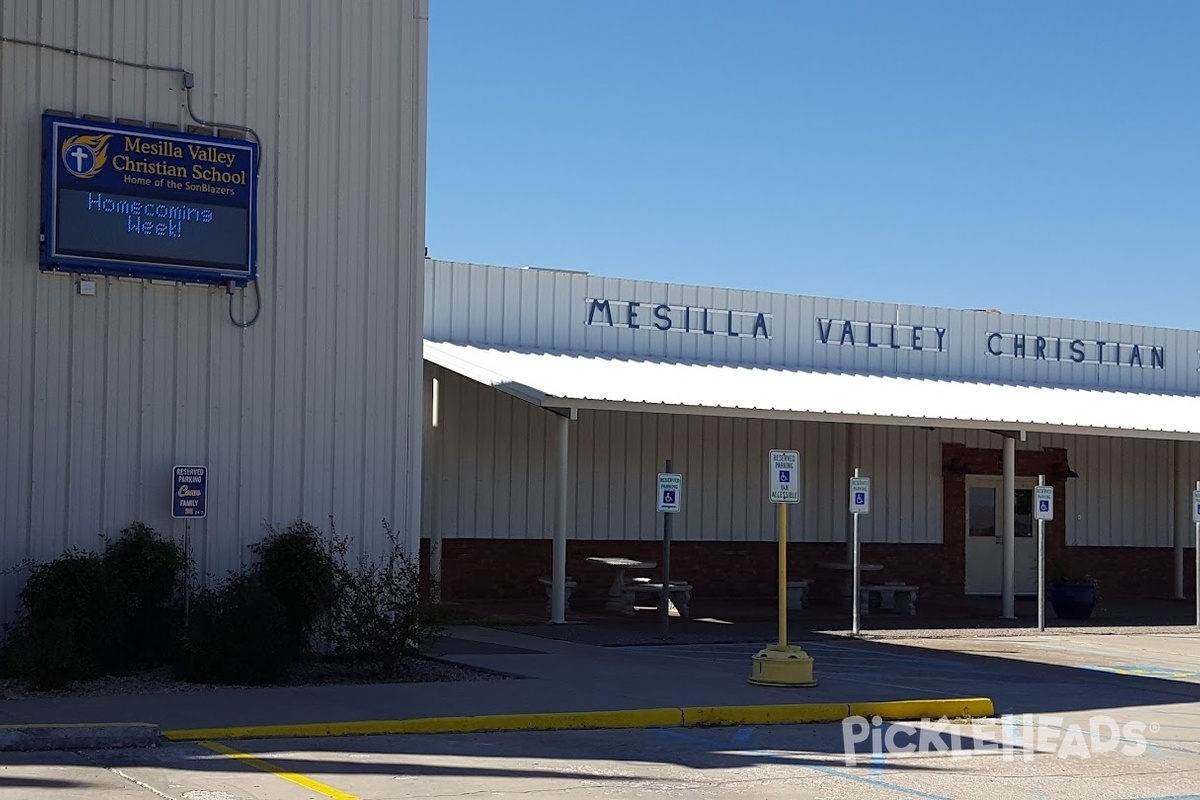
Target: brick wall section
point(475, 569)
point(509, 568)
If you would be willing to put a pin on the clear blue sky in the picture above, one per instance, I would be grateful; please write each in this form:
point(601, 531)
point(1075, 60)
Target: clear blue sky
point(1035, 156)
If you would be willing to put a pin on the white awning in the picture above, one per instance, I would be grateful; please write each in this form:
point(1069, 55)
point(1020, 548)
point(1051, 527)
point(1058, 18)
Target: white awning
point(560, 380)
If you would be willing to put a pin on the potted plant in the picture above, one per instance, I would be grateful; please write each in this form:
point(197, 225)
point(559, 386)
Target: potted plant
point(1072, 594)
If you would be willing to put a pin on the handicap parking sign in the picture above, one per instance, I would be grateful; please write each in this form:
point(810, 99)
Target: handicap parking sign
point(670, 492)
point(780, 466)
point(1043, 507)
point(860, 495)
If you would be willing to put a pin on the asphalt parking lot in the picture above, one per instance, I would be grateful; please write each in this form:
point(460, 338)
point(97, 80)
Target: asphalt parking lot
point(1101, 716)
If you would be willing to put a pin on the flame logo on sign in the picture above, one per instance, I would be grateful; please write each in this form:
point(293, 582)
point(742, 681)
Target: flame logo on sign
point(85, 155)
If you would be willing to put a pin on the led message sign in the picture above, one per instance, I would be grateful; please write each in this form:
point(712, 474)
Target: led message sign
point(124, 200)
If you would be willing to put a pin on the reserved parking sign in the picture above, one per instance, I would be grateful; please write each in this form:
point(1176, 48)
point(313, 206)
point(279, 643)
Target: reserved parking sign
point(189, 492)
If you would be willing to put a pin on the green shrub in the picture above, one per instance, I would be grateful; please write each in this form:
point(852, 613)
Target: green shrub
point(72, 622)
point(46, 655)
point(382, 614)
point(150, 568)
point(235, 634)
point(295, 565)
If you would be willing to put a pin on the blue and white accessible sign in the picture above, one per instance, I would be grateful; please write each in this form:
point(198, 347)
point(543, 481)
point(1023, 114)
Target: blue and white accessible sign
point(189, 492)
point(1196, 507)
point(860, 495)
point(784, 470)
point(670, 492)
point(1043, 503)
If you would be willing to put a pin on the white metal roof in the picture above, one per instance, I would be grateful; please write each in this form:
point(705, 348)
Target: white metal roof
point(563, 380)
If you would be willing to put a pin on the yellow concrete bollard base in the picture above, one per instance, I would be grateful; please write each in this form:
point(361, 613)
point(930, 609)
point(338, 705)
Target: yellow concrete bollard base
point(782, 665)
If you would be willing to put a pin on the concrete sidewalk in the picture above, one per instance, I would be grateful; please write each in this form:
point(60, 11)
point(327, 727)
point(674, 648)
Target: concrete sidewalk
point(554, 677)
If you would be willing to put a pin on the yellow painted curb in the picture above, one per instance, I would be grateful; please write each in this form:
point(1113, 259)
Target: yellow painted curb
point(780, 714)
point(921, 709)
point(571, 720)
point(776, 714)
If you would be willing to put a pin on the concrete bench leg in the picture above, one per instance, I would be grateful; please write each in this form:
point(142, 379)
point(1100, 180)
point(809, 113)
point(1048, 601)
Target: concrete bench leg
point(548, 584)
point(679, 596)
point(681, 604)
point(887, 600)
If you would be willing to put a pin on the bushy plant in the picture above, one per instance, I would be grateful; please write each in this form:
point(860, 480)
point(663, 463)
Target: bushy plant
point(296, 566)
point(382, 613)
point(235, 634)
point(150, 568)
point(71, 624)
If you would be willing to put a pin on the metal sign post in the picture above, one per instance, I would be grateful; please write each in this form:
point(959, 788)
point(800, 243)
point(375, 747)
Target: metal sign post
point(1043, 512)
point(785, 489)
point(189, 501)
point(781, 664)
point(670, 501)
point(860, 503)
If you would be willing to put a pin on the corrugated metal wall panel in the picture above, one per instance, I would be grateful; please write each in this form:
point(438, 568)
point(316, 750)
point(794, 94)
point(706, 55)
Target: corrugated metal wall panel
point(497, 473)
point(313, 411)
point(1122, 497)
point(1123, 494)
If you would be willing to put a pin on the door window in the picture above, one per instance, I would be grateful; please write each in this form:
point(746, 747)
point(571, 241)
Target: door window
point(982, 514)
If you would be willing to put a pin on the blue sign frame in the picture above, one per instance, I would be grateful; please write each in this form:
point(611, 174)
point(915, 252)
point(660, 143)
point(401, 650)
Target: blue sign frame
point(189, 492)
point(147, 203)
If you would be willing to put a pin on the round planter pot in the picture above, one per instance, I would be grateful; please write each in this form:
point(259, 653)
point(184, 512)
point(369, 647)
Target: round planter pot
point(1073, 600)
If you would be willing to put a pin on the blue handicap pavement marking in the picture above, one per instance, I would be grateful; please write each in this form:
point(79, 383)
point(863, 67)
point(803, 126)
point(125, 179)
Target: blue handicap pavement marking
point(1145, 671)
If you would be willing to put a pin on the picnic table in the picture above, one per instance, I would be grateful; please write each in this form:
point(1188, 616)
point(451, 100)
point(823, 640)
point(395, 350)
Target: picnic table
point(620, 598)
point(847, 588)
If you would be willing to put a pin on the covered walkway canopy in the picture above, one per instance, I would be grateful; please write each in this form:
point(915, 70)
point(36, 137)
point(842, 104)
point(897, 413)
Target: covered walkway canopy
point(566, 382)
point(576, 381)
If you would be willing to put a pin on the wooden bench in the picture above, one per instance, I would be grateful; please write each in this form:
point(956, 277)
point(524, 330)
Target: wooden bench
point(679, 595)
point(548, 585)
point(887, 597)
point(797, 593)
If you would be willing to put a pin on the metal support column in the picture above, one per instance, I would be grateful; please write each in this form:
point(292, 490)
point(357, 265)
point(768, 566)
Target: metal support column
point(558, 577)
point(435, 482)
point(1009, 562)
point(1178, 533)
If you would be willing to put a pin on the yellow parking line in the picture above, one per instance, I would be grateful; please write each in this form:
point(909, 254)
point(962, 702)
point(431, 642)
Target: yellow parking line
point(267, 766)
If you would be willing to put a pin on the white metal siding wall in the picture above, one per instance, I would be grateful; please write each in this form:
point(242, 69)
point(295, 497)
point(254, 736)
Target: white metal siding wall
point(497, 471)
point(545, 309)
point(1123, 495)
point(497, 474)
point(313, 411)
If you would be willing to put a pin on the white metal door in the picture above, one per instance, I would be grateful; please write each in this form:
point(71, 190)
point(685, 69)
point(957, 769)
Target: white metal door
point(985, 536)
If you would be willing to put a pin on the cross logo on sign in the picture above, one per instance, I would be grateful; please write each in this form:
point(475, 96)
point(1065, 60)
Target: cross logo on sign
point(785, 476)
